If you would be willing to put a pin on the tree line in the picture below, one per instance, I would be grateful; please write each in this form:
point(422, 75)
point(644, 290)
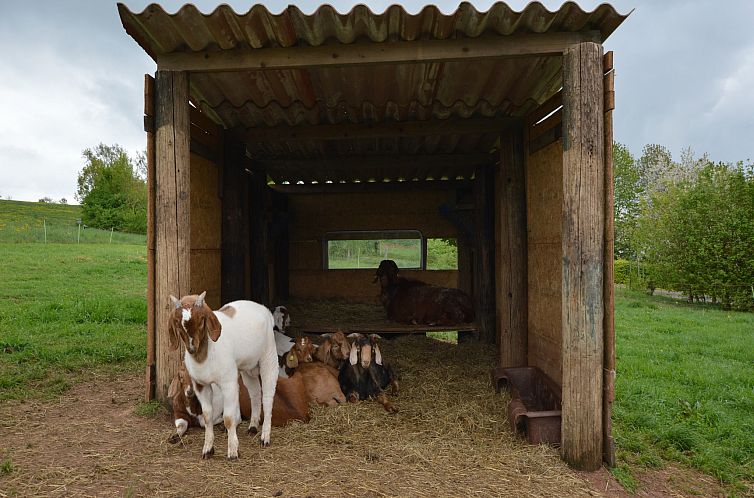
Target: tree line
point(112, 189)
point(686, 225)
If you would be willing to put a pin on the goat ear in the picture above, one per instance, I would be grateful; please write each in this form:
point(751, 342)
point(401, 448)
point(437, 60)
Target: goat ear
point(377, 355)
point(175, 387)
point(291, 360)
point(199, 303)
point(173, 324)
point(212, 326)
point(175, 301)
point(353, 358)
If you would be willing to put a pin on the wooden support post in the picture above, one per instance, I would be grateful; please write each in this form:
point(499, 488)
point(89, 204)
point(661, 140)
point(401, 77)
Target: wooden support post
point(149, 128)
point(510, 236)
point(234, 240)
point(609, 285)
point(282, 246)
point(172, 213)
point(484, 253)
point(258, 238)
point(583, 255)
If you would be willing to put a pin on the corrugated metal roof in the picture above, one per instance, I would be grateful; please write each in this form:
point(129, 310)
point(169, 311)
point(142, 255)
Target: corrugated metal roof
point(365, 94)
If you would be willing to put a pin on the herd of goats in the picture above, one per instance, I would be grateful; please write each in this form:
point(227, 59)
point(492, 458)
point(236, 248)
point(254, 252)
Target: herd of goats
point(240, 364)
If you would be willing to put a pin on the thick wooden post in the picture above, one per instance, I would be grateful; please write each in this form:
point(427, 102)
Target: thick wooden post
point(510, 235)
point(149, 127)
point(583, 254)
point(609, 367)
point(172, 209)
point(234, 240)
point(484, 253)
point(258, 238)
point(281, 242)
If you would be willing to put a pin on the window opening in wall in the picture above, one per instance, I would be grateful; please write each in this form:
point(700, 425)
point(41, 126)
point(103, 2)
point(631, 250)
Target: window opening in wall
point(365, 249)
point(442, 254)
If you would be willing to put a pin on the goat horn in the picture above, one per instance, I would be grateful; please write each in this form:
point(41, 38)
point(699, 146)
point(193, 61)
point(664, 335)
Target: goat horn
point(175, 301)
point(200, 300)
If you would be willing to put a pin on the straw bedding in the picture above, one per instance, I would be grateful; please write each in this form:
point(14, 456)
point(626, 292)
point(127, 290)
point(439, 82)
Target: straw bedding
point(450, 438)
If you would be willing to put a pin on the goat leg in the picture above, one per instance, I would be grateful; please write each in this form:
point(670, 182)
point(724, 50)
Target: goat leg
point(386, 404)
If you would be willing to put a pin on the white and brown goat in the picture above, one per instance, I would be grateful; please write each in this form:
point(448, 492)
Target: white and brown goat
point(238, 338)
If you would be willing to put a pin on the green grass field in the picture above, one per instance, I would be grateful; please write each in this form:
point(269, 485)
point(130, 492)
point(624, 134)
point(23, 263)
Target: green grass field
point(685, 387)
point(24, 222)
point(66, 309)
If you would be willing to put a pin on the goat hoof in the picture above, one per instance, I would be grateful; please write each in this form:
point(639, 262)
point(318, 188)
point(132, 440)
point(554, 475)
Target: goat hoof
point(174, 439)
point(265, 444)
point(232, 458)
point(208, 454)
point(252, 430)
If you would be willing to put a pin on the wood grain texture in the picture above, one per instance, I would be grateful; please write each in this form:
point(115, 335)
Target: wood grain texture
point(484, 254)
point(544, 204)
point(583, 254)
point(151, 242)
point(172, 213)
point(511, 249)
point(235, 241)
point(609, 258)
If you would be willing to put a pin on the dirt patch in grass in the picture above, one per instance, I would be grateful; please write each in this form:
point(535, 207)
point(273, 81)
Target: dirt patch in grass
point(450, 438)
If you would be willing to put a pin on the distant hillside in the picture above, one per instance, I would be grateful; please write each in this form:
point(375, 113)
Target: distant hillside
point(22, 221)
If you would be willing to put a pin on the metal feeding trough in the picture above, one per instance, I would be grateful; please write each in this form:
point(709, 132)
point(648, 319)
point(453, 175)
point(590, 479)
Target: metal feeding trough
point(534, 408)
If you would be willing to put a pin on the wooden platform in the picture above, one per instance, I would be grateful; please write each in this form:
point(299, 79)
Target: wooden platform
point(322, 316)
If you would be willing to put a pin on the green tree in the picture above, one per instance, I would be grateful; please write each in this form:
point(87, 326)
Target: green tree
point(111, 191)
point(627, 197)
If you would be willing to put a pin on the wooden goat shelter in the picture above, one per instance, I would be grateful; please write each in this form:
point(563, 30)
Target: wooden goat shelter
point(270, 134)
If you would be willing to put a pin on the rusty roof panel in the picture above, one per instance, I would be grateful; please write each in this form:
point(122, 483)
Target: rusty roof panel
point(188, 29)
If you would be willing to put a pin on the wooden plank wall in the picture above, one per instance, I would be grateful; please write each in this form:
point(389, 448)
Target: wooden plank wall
point(206, 224)
point(312, 215)
point(544, 201)
point(149, 128)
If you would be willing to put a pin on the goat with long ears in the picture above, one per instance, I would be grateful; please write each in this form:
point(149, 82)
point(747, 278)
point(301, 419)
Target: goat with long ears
point(238, 338)
point(365, 375)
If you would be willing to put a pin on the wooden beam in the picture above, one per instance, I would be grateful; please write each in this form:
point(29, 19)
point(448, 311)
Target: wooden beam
point(609, 277)
point(234, 244)
point(151, 242)
point(407, 186)
point(370, 53)
point(172, 212)
point(484, 254)
point(511, 238)
point(258, 238)
point(583, 255)
point(348, 131)
point(386, 162)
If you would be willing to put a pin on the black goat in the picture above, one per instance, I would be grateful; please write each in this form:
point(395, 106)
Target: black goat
point(365, 375)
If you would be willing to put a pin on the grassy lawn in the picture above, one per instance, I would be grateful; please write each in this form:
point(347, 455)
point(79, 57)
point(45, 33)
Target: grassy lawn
point(68, 308)
point(24, 222)
point(685, 387)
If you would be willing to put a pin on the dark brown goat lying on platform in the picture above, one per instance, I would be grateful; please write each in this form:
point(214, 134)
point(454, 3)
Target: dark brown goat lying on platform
point(415, 302)
point(365, 375)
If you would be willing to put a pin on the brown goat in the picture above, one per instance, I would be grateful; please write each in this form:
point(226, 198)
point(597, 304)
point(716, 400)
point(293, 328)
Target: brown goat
point(321, 380)
point(414, 302)
point(291, 401)
point(334, 350)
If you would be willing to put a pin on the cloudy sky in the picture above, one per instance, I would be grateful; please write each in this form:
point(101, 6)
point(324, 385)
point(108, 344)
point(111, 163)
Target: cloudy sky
point(70, 77)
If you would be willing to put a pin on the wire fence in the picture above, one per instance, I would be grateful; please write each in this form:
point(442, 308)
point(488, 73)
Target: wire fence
point(46, 232)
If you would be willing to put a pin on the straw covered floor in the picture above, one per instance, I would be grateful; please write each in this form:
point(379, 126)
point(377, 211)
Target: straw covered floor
point(450, 438)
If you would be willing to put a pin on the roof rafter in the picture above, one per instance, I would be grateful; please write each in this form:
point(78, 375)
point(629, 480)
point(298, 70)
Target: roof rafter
point(402, 52)
point(347, 131)
point(387, 162)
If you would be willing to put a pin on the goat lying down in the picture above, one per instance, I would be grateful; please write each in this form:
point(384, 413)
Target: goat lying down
point(320, 379)
point(365, 375)
point(238, 338)
point(415, 302)
point(291, 402)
